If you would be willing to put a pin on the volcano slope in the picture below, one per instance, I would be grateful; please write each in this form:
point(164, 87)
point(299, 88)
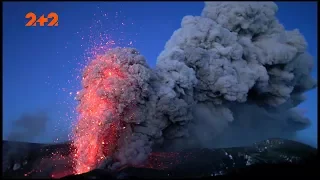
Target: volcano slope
point(269, 157)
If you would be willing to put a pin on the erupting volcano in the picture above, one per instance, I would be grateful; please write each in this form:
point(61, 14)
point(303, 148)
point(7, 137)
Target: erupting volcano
point(225, 80)
point(230, 77)
point(97, 131)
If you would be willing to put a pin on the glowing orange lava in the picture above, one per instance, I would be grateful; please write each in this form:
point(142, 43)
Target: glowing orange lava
point(97, 130)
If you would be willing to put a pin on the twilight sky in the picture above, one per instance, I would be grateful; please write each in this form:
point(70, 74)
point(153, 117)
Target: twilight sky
point(41, 64)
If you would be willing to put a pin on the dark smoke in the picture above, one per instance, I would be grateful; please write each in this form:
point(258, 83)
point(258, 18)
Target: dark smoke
point(229, 77)
point(28, 127)
point(25, 129)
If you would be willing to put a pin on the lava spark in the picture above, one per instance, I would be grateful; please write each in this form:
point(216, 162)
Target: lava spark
point(92, 128)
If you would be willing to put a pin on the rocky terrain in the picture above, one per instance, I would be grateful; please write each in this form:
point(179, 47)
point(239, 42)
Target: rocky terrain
point(269, 157)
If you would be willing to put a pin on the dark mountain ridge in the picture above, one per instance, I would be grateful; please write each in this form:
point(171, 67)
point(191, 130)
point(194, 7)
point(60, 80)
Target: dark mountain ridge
point(272, 156)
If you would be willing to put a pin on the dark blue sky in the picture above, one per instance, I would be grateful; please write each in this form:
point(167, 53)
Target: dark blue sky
point(40, 64)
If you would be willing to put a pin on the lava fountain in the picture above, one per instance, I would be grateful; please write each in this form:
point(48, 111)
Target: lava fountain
point(113, 102)
point(97, 130)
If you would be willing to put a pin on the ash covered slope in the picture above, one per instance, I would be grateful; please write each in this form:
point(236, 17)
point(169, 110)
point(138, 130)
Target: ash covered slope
point(192, 163)
point(274, 153)
point(20, 159)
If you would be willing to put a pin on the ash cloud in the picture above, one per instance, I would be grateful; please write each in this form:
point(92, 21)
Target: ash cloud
point(28, 127)
point(25, 129)
point(229, 77)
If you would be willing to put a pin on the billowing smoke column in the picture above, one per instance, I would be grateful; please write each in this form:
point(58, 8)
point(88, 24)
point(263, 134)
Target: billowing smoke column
point(228, 77)
point(113, 96)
